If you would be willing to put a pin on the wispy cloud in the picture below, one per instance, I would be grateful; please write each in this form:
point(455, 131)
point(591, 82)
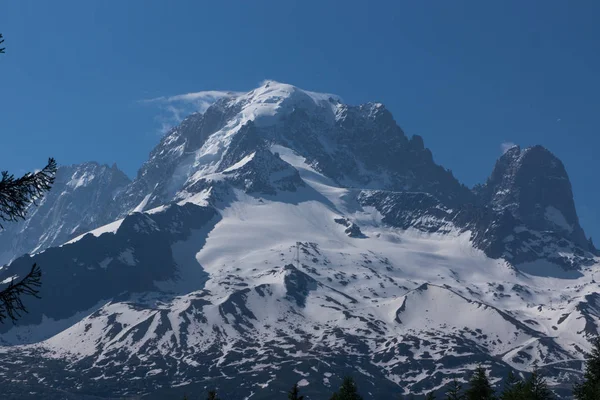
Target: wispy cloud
point(200, 98)
point(506, 146)
point(175, 108)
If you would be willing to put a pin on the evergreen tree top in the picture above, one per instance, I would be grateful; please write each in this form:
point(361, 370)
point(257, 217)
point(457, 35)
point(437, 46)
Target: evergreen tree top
point(589, 388)
point(455, 391)
point(347, 391)
point(514, 388)
point(294, 393)
point(479, 386)
point(430, 396)
point(537, 388)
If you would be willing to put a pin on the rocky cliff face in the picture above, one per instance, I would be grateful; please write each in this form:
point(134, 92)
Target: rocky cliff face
point(357, 146)
point(532, 209)
point(524, 212)
point(533, 186)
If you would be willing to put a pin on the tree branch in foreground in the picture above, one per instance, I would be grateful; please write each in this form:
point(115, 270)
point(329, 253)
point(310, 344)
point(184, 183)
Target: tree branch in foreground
point(16, 194)
point(11, 305)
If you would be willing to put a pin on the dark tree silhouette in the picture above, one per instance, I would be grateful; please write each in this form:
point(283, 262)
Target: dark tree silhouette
point(11, 305)
point(455, 391)
point(430, 396)
point(514, 388)
point(589, 388)
point(479, 386)
point(212, 395)
point(16, 195)
point(536, 387)
point(348, 391)
point(294, 394)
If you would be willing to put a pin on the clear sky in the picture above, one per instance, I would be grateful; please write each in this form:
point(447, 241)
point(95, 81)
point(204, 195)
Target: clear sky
point(466, 75)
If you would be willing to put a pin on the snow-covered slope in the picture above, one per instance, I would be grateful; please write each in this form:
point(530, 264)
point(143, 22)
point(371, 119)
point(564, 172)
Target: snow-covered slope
point(283, 237)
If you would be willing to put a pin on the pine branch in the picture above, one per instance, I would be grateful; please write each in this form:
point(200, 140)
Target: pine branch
point(1, 41)
point(11, 305)
point(16, 194)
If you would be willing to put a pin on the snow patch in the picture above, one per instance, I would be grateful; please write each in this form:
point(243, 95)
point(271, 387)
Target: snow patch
point(554, 215)
point(109, 228)
point(82, 180)
point(303, 382)
point(240, 163)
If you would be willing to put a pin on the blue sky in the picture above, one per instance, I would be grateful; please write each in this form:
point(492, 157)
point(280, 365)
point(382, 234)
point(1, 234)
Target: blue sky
point(466, 75)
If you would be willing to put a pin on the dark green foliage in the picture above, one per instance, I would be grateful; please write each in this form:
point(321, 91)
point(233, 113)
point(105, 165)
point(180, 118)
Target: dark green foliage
point(16, 195)
point(514, 388)
point(479, 386)
point(294, 393)
point(347, 391)
point(430, 396)
point(536, 387)
point(11, 304)
point(455, 391)
point(1, 41)
point(212, 395)
point(589, 388)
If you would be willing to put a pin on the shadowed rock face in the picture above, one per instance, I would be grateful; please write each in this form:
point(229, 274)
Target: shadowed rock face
point(524, 212)
point(79, 275)
point(158, 178)
point(530, 212)
point(533, 185)
point(365, 148)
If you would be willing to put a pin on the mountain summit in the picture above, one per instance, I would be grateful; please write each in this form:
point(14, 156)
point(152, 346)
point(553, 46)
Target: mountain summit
point(283, 236)
point(356, 146)
point(533, 185)
point(530, 195)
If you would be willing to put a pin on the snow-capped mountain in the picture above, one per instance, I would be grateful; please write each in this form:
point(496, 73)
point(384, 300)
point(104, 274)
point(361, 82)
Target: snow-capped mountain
point(82, 199)
point(282, 236)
